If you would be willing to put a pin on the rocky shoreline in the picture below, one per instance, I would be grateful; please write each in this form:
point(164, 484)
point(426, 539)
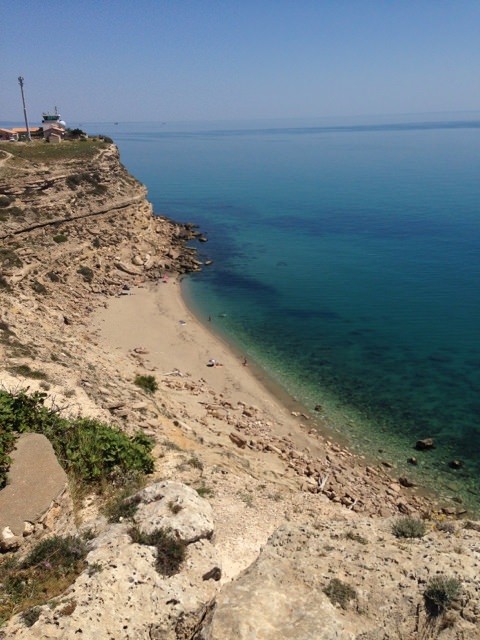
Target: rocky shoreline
point(78, 236)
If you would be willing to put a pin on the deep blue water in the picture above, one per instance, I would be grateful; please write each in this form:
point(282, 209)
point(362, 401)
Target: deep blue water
point(347, 263)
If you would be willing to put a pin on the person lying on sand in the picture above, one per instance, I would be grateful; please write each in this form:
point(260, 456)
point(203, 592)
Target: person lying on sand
point(213, 363)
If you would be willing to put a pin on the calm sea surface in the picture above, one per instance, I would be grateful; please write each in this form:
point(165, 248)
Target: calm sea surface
point(346, 263)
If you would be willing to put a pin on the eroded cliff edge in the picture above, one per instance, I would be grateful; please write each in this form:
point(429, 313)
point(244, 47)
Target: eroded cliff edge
point(78, 229)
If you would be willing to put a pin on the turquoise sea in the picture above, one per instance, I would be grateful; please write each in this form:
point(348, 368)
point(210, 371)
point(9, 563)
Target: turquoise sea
point(346, 263)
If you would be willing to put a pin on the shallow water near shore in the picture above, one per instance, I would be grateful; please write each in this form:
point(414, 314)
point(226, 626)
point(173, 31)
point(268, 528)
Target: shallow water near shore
point(346, 261)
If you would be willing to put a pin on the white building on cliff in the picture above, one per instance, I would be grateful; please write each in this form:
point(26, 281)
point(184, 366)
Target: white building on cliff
point(53, 127)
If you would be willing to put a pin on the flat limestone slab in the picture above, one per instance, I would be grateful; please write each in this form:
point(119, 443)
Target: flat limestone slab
point(35, 479)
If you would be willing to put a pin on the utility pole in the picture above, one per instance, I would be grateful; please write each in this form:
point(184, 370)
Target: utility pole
point(20, 82)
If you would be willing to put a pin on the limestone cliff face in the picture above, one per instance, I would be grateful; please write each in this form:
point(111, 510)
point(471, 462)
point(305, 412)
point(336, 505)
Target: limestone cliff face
point(75, 227)
point(65, 188)
point(80, 205)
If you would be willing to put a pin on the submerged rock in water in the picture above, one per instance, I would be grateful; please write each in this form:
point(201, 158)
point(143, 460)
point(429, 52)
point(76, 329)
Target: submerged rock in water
point(425, 444)
point(455, 464)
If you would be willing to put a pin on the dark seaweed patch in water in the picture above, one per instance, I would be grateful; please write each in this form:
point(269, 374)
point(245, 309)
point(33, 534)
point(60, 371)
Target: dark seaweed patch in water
point(306, 314)
point(238, 282)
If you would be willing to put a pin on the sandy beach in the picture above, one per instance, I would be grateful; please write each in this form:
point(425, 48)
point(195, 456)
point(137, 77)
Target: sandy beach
point(228, 404)
point(156, 319)
point(239, 431)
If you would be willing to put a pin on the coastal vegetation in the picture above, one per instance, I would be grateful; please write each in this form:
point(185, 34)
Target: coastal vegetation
point(59, 238)
point(26, 371)
point(170, 550)
point(50, 567)
point(40, 151)
point(121, 504)
point(441, 593)
point(90, 451)
point(340, 592)
point(86, 272)
point(147, 383)
point(408, 527)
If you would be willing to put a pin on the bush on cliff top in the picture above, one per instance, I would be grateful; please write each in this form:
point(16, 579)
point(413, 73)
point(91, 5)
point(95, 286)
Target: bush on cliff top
point(88, 450)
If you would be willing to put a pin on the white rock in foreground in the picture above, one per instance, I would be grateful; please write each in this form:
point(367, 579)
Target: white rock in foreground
point(172, 505)
point(122, 596)
point(281, 595)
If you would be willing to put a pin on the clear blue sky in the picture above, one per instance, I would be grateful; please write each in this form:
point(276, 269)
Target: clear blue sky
point(172, 60)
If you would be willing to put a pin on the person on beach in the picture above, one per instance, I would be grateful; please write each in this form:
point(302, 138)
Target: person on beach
point(213, 363)
point(244, 362)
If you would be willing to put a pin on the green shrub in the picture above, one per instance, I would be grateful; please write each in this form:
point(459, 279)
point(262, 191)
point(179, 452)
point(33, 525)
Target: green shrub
point(60, 553)
point(89, 450)
point(447, 527)
point(92, 451)
point(441, 593)
point(49, 569)
point(195, 462)
point(74, 181)
point(8, 258)
point(408, 527)
point(204, 491)
point(53, 277)
point(356, 537)
point(340, 592)
point(4, 201)
point(4, 285)
point(76, 133)
point(59, 238)
point(27, 372)
point(86, 272)
point(121, 507)
point(39, 288)
point(123, 504)
point(30, 616)
point(147, 383)
point(170, 551)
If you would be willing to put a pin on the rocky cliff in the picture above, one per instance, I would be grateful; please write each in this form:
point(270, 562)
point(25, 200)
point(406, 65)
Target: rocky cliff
point(278, 542)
